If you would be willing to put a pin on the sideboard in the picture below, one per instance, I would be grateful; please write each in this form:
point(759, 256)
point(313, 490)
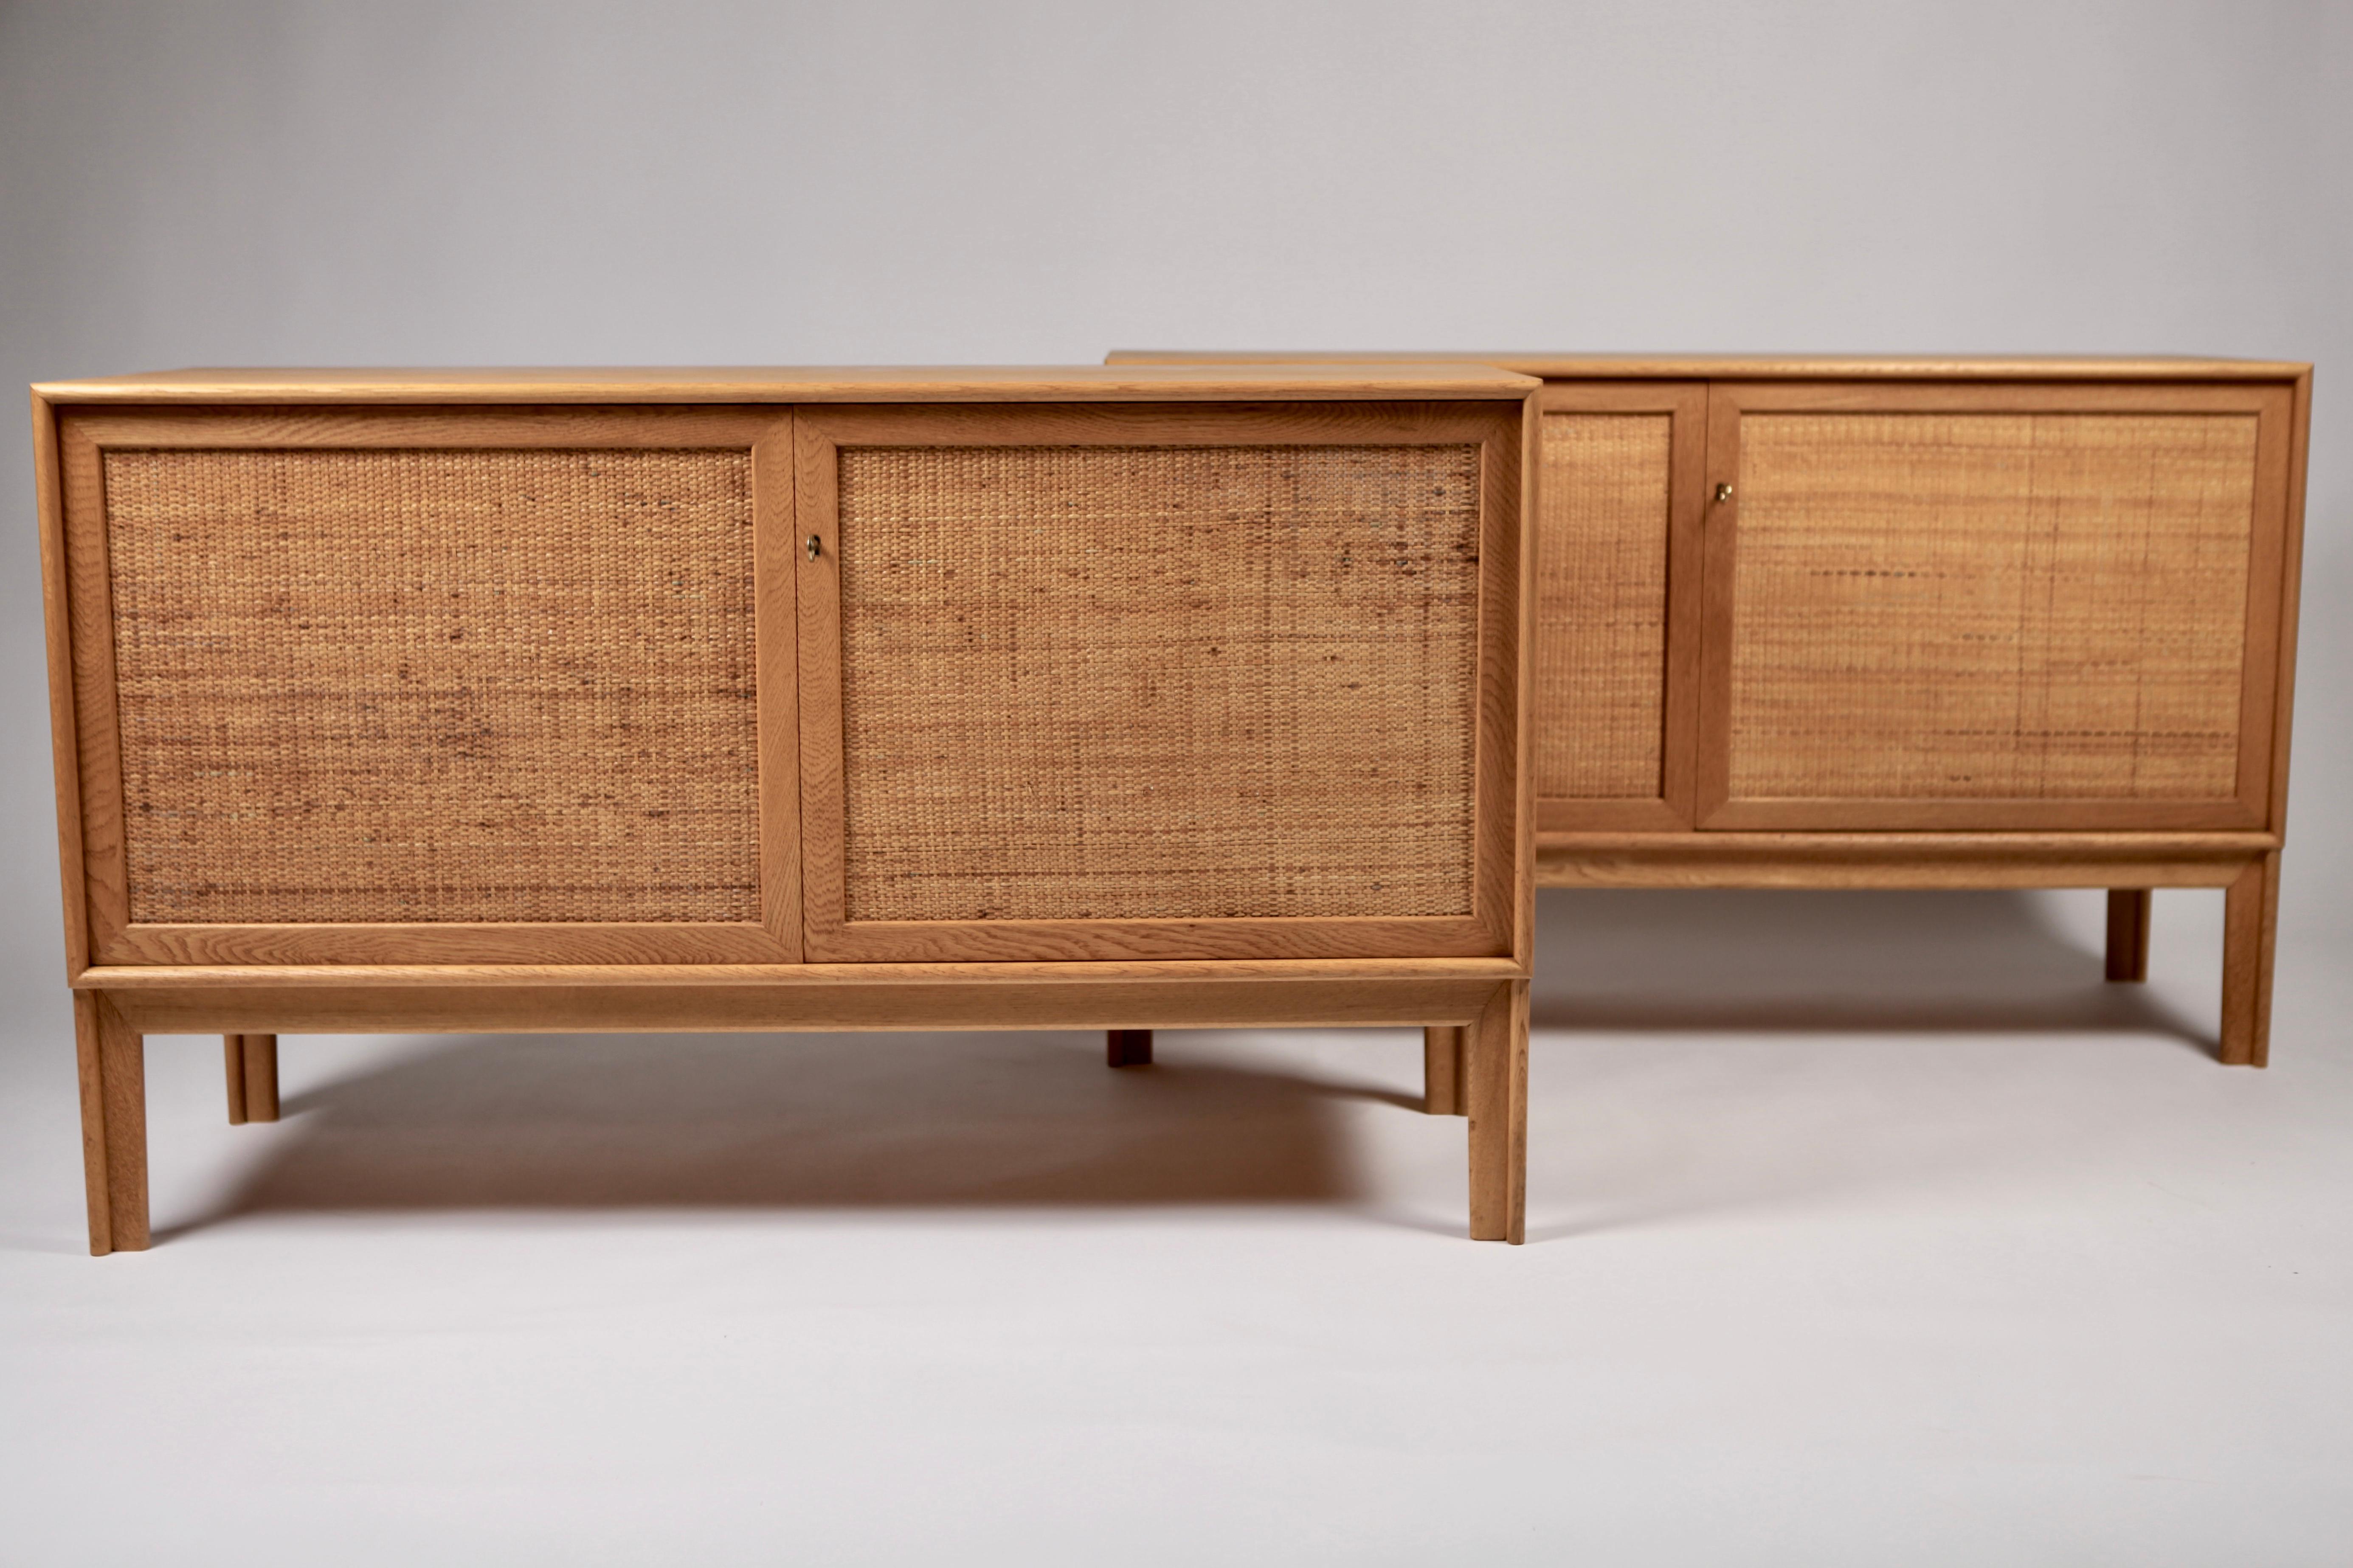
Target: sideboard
point(778, 699)
point(1918, 623)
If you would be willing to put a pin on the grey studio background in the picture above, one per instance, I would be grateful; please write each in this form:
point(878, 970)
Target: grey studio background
point(1865, 1227)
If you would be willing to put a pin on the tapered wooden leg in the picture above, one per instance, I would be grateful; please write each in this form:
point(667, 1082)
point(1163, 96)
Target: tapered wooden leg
point(2129, 932)
point(113, 1125)
point(1498, 1081)
point(2250, 924)
point(252, 1065)
point(1128, 1047)
point(1442, 1063)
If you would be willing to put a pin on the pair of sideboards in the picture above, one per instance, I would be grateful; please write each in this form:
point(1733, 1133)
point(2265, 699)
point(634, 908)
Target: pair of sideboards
point(1151, 695)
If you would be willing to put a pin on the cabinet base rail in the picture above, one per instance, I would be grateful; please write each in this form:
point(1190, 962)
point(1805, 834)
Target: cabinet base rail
point(1490, 1017)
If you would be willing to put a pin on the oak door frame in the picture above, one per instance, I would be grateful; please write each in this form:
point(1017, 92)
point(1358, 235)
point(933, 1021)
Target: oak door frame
point(81, 590)
point(2268, 604)
point(1499, 881)
point(1673, 808)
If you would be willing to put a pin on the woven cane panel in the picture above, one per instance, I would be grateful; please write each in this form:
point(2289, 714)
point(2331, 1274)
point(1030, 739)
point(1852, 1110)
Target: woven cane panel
point(393, 686)
point(2044, 606)
point(1158, 683)
point(1601, 605)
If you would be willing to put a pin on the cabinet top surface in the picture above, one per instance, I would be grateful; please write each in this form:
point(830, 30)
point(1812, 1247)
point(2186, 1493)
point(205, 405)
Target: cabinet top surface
point(1784, 367)
point(1206, 381)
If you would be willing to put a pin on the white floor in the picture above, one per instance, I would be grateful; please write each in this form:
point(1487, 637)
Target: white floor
point(1866, 1229)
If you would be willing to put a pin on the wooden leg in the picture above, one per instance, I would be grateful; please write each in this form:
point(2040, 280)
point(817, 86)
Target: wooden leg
point(1128, 1047)
point(2129, 932)
point(252, 1064)
point(1498, 1081)
point(1442, 1061)
point(2250, 924)
point(113, 1125)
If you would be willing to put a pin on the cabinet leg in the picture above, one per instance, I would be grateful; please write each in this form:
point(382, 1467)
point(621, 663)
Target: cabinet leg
point(2250, 924)
point(113, 1125)
point(1497, 1078)
point(252, 1065)
point(2129, 932)
point(1442, 1061)
point(1127, 1048)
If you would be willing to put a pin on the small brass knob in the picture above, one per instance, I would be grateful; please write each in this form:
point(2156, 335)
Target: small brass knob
point(816, 547)
point(1724, 492)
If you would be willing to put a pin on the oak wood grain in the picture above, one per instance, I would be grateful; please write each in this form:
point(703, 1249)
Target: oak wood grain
point(113, 1064)
point(1443, 1058)
point(251, 1066)
point(2250, 940)
point(1774, 367)
point(777, 383)
point(128, 978)
point(1497, 1079)
point(269, 1006)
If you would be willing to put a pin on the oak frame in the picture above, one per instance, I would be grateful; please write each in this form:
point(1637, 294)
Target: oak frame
point(99, 893)
point(1684, 403)
point(2267, 585)
point(1494, 925)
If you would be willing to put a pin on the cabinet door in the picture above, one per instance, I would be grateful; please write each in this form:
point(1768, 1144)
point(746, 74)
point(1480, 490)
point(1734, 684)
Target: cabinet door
point(1103, 681)
point(1620, 477)
point(1992, 606)
point(432, 686)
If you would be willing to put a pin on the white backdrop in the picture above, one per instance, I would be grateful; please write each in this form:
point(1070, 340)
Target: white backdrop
point(1860, 1297)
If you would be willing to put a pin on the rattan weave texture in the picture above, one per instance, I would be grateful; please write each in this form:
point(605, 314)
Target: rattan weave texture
point(2042, 607)
point(435, 686)
point(1158, 682)
point(1601, 605)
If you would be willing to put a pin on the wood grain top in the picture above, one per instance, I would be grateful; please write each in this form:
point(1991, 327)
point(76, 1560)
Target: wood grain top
point(1781, 367)
point(1371, 378)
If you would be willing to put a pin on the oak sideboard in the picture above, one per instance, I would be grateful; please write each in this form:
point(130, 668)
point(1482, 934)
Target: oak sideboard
point(776, 700)
point(1919, 623)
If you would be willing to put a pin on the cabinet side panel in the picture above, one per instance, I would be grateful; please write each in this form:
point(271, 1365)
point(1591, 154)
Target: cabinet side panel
point(1601, 605)
point(2036, 606)
point(1158, 682)
point(423, 685)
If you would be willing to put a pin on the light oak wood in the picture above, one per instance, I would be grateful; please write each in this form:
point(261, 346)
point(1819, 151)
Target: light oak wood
point(2128, 846)
point(65, 742)
point(1499, 823)
point(120, 978)
point(263, 1007)
point(1896, 859)
point(778, 383)
point(251, 981)
point(1564, 694)
point(1496, 1077)
point(251, 1063)
point(114, 939)
point(1731, 404)
point(2128, 920)
point(2250, 932)
point(1775, 367)
point(1444, 1056)
point(1127, 1048)
point(113, 1125)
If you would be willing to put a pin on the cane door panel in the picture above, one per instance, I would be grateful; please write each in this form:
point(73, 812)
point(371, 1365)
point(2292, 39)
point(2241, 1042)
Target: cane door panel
point(433, 685)
point(1618, 490)
point(1991, 606)
point(1126, 681)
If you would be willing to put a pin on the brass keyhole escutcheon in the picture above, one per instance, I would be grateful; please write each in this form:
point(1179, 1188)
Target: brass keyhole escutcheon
point(815, 546)
point(1722, 493)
